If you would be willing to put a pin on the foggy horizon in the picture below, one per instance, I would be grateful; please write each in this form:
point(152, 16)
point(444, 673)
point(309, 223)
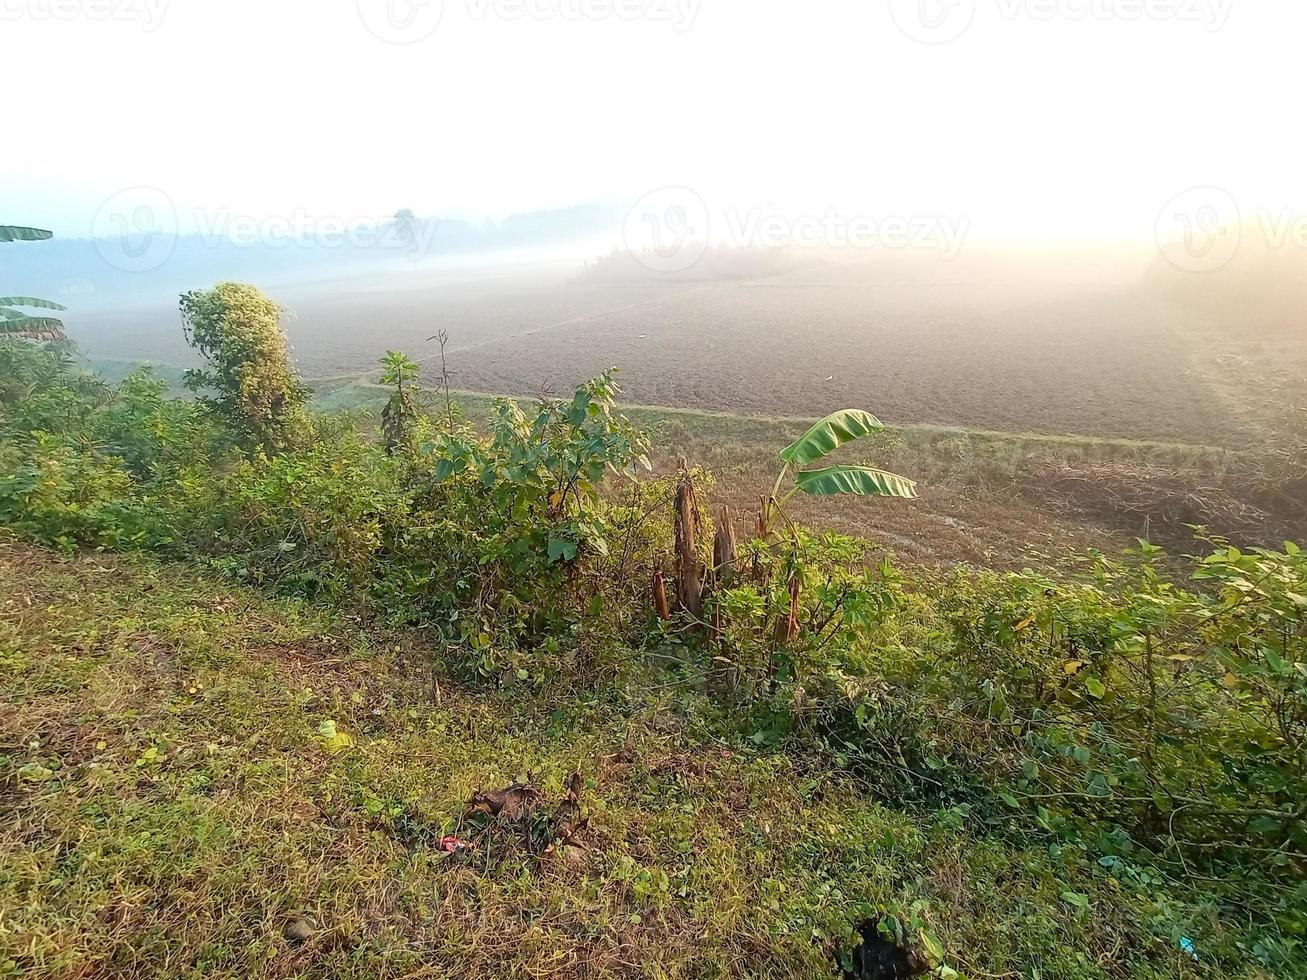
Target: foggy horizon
point(1036, 121)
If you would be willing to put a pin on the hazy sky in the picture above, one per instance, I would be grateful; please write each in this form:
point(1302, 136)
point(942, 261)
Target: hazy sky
point(1073, 117)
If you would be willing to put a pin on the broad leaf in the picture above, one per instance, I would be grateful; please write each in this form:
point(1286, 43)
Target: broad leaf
point(854, 479)
point(43, 304)
point(15, 233)
point(829, 434)
point(561, 548)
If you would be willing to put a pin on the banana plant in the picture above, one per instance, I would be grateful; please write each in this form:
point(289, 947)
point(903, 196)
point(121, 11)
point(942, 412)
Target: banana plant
point(14, 322)
point(835, 430)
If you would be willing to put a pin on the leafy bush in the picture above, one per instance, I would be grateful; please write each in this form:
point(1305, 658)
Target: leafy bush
point(84, 463)
point(1153, 728)
point(504, 526)
point(238, 331)
point(62, 496)
point(311, 521)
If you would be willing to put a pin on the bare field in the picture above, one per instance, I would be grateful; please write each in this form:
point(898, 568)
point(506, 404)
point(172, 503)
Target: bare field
point(1016, 350)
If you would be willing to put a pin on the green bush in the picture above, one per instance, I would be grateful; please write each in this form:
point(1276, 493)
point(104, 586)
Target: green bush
point(1153, 727)
point(254, 389)
point(506, 528)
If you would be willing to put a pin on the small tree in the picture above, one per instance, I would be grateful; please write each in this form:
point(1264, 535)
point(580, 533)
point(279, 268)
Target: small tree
point(238, 331)
point(832, 432)
point(401, 372)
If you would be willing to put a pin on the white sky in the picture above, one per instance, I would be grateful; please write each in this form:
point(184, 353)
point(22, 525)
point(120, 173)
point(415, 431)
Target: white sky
point(1046, 117)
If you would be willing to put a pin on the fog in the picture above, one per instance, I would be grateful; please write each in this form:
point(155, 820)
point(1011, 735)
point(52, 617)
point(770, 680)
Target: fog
point(552, 181)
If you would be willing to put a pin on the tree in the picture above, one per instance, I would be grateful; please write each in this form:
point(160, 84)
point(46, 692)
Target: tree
point(14, 322)
point(238, 331)
point(398, 370)
point(406, 227)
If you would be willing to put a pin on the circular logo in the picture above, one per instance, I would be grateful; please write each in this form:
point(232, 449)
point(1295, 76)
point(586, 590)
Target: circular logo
point(933, 21)
point(136, 229)
point(1199, 230)
point(667, 229)
point(401, 21)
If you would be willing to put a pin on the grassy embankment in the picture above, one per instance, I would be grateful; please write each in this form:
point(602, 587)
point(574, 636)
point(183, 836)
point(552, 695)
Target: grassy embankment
point(174, 809)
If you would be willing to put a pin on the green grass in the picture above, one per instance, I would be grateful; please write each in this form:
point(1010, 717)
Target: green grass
point(170, 806)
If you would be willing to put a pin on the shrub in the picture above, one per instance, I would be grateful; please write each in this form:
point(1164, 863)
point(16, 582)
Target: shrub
point(504, 526)
point(64, 496)
point(1153, 728)
point(237, 329)
point(314, 520)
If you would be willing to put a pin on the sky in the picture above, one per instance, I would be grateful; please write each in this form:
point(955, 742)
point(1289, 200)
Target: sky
point(1035, 119)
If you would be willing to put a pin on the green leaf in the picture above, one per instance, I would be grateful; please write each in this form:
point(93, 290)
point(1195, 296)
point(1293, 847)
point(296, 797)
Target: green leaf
point(44, 304)
point(34, 772)
point(1096, 688)
point(1076, 900)
point(933, 948)
point(333, 740)
point(561, 548)
point(854, 479)
point(15, 233)
point(33, 327)
point(829, 434)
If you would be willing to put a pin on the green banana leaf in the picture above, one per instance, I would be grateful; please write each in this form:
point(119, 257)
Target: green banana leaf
point(43, 304)
point(15, 233)
point(33, 328)
point(829, 434)
point(854, 479)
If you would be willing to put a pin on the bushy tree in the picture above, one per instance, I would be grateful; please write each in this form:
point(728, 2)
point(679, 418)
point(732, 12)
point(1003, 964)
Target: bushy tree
point(238, 331)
